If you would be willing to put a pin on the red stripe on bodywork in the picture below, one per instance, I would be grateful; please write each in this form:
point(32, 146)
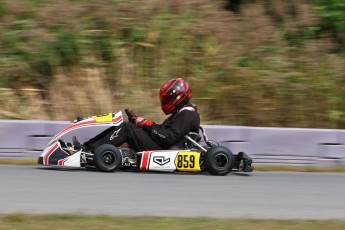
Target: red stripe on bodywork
point(145, 160)
point(46, 157)
point(75, 125)
point(117, 119)
point(60, 162)
point(85, 123)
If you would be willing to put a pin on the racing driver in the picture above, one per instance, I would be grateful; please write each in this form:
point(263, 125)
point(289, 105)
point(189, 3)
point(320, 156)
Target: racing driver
point(142, 134)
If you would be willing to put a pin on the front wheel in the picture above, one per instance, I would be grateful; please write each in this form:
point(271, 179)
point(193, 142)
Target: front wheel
point(219, 160)
point(107, 158)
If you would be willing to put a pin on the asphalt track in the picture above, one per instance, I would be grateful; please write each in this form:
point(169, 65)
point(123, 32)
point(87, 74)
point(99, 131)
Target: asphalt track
point(261, 195)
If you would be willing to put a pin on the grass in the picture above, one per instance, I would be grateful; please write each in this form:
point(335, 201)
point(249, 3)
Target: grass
point(242, 71)
point(18, 161)
point(74, 221)
point(275, 168)
point(289, 168)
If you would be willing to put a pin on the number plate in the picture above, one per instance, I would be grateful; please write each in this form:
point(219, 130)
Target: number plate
point(187, 161)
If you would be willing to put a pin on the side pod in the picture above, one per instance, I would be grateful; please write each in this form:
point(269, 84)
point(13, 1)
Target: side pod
point(54, 154)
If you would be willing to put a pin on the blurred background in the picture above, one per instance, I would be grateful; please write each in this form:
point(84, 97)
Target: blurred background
point(272, 63)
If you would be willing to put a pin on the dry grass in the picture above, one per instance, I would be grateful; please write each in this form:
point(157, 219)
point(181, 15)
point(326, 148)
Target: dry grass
point(256, 66)
point(289, 168)
point(73, 221)
point(18, 161)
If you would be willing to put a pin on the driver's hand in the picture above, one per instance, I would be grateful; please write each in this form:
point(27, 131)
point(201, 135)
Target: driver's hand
point(138, 120)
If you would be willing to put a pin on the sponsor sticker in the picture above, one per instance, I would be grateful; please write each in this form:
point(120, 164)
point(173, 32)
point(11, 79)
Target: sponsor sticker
point(161, 160)
point(103, 118)
point(115, 134)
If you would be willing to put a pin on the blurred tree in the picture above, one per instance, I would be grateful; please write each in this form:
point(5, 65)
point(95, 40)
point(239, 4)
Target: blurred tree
point(333, 19)
point(256, 63)
point(233, 5)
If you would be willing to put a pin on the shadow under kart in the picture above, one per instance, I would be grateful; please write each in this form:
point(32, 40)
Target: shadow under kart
point(188, 155)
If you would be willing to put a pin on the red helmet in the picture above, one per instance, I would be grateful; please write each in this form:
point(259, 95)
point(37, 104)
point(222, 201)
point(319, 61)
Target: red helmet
point(173, 94)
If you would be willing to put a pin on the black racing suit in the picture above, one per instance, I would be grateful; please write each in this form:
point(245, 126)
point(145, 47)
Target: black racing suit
point(158, 136)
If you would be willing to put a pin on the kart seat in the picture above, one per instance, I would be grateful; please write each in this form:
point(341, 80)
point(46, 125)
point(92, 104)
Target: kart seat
point(185, 143)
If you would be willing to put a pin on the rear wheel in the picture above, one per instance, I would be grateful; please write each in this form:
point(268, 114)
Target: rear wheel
point(107, 158)
point(219, 160)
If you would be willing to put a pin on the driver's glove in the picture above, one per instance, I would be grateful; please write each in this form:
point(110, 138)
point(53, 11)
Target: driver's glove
point(131, 115)
point(138, 120)
point(142, 122)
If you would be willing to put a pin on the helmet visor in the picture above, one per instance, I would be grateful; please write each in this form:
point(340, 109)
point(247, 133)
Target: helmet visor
point(165, 100)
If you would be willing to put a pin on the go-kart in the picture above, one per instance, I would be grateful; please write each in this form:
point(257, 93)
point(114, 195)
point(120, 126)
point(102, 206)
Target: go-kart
point(192, 154)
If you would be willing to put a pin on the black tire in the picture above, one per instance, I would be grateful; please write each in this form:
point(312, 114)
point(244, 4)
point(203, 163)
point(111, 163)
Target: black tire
point(107, 158)
point(219, 160)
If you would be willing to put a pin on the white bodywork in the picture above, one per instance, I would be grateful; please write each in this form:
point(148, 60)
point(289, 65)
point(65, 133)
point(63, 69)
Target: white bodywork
point(102, 120)
point(170, 160)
